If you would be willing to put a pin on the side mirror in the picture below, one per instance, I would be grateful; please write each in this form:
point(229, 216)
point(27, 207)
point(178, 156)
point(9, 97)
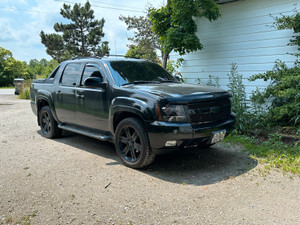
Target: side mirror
point(93, 82)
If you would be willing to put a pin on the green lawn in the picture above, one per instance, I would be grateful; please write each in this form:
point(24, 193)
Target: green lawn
point(272, 152)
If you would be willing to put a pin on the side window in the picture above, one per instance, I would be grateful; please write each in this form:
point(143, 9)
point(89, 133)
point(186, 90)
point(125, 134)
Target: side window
point(54, 73)
point(70, 74)
point(91, 71)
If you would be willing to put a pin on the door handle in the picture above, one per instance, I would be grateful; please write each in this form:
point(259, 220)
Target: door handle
point(58, 92)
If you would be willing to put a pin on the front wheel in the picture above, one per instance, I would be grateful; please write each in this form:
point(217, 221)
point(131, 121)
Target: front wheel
point(48, 123)
point(132, 143)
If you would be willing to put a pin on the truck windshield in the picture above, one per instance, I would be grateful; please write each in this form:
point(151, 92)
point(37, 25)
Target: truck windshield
point(139, 72)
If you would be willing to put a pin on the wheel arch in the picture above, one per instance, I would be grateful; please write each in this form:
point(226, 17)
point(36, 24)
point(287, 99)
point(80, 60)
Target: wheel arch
point(45, 99)
point(121, 115)
point(123, 108)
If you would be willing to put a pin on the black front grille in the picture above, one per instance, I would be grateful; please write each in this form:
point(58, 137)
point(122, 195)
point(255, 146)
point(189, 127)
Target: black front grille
point(209, 111)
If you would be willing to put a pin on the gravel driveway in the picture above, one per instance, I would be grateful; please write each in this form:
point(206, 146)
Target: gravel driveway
point(79, 180)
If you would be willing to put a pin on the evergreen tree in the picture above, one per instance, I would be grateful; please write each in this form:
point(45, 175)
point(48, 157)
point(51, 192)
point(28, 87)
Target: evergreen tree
point(145, 41)
point(81, 37)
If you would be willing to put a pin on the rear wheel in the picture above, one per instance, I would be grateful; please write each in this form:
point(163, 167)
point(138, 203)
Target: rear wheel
point(132, 143)
point(48, 123)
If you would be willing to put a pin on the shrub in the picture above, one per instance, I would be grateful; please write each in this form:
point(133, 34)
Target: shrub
point(282, 94)
point(25, 94)
point(238, 100)
point(250, 116)
point(213, 81)
point(172, 67)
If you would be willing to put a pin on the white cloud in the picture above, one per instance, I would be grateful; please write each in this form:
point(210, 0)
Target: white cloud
point(12, 2)
point(20, 27)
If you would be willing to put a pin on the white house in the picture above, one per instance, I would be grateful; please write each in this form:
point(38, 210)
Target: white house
point(243, 35)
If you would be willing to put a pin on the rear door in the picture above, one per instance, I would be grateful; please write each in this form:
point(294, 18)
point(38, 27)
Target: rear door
point(92, 107)
point(65, 103)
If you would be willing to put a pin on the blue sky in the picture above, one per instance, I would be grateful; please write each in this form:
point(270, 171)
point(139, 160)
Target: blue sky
point(22, 20)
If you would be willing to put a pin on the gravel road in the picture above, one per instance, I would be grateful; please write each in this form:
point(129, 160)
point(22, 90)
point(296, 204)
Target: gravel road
point(79, 180)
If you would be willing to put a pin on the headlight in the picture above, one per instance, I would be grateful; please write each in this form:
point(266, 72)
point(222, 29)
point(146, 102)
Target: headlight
point(174, 113)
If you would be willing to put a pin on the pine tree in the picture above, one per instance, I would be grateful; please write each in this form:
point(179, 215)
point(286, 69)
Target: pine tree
point(81, 37)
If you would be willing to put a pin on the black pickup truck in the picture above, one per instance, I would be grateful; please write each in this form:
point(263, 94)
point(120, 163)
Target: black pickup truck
point(134, 103)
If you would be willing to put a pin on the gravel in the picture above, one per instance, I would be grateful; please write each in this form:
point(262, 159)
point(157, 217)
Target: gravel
point(80, 180)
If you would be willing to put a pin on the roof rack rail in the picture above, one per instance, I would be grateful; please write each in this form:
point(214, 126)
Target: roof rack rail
point(100, 57)
point(85, 57)
point(125, 56)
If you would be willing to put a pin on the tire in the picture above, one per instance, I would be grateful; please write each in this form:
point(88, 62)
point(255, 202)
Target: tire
point(132, 144)
point(48, 124)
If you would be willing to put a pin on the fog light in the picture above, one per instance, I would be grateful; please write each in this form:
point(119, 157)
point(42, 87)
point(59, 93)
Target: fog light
point(171, 143)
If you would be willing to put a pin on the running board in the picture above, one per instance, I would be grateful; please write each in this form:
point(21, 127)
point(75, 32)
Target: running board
point(98, 136)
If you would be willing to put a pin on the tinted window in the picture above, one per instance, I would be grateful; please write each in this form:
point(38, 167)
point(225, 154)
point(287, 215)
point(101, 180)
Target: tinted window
point(54, 72)
point(131, 71)
point(91, 71)
point(70, 74)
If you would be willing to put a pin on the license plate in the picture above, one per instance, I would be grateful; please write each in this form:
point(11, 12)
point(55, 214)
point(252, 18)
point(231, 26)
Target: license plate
point(217, 136)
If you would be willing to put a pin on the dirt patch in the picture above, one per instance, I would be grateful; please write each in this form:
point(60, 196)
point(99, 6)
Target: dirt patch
point(79, 180)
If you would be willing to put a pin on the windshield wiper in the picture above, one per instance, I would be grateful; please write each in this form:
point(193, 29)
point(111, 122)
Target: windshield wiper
point(141, 82)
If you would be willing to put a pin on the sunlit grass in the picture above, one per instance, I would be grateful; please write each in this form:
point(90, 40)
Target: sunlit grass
point(272, 151)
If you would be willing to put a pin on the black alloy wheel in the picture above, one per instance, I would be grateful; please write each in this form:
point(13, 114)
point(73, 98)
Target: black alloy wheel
point(48, 123)
point(132, 143)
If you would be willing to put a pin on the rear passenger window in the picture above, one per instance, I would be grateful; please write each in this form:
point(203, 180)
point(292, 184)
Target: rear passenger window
point(52, 75)
point(70, 75)
point(91, 71)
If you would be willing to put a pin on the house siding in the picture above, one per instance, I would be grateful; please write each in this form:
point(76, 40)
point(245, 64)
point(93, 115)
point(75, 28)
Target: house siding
point(243, 35)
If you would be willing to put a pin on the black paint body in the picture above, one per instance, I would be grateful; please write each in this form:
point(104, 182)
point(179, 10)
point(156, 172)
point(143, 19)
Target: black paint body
point(101, 109)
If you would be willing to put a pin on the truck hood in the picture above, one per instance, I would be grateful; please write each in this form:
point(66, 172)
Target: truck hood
point(179, 90)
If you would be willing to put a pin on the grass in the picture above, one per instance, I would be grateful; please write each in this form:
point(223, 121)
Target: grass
point(271, 151)
point(7, 87)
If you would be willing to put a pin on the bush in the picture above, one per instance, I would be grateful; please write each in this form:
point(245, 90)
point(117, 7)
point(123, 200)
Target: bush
point(25, 94)
point(282, 94)
point(237, 89)
point(250, 116)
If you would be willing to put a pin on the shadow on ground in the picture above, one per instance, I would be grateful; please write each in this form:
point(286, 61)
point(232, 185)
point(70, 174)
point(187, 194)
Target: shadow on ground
point(197, 167)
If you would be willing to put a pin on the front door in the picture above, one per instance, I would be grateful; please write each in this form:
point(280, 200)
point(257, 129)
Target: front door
point(92, 108)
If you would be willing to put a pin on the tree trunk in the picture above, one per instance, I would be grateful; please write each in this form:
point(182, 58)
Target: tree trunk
point(165, 57)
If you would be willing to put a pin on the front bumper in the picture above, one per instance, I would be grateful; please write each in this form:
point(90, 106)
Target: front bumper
point(185, 134)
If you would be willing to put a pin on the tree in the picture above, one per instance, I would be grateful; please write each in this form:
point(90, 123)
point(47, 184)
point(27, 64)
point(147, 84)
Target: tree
point(142, 27)
point(11, 68)
point(145, 41)
point(143, 50)
point(176, 28)
point(81, 37)
point(42, 68)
